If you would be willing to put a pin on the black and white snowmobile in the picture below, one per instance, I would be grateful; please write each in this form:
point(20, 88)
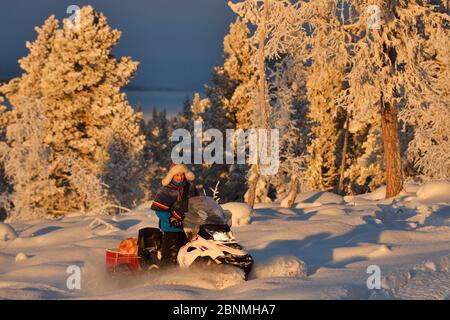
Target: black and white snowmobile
point(210, 239)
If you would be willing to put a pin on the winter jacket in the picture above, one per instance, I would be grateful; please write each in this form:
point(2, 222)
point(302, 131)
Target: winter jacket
point(172, 200)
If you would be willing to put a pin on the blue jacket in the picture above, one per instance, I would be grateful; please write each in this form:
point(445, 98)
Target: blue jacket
point(169, 202)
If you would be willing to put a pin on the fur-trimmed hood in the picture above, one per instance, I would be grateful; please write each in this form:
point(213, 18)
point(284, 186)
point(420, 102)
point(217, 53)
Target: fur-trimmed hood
point(177, 169)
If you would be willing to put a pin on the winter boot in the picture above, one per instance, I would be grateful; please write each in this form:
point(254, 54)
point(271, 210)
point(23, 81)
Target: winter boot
point(171, 244)
point(150, 248)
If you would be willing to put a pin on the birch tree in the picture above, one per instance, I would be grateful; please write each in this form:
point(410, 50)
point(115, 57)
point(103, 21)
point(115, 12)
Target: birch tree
point(395, 58)
point(276, 33)
point(399, 68)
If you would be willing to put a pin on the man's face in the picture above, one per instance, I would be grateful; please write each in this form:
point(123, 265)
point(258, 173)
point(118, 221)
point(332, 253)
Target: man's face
point(178, 177)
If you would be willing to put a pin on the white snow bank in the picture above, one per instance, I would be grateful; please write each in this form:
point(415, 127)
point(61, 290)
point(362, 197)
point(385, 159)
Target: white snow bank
point(411, 187)
point(282, 266)
point(368, 251)
point(367, 198)
point(241, 213)
point(304, 205)
point(377, 194)
point(438, 191)
point(7, 232)
point(331, 212)
point(317, 198)
point(21, 257)
point(105, 227)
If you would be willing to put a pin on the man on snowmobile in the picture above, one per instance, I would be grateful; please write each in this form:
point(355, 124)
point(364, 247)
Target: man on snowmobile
point(171, 204)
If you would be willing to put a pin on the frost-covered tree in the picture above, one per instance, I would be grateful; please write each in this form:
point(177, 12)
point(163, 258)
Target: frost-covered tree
point(328, 118)
point(276, 25)
point(157, 150)
point(231, 107)
point(326, 53)
point(157, 131)
point(4, 118)
point(216, 117)
point(364, 169)
point(198, 108)
point(288, 95)
point(183, 117)
point(236, 80)
point(27, 162)
point(4, 122)
point(399, 68)
point(76, 81)
point(390, 57)
point(31, 163)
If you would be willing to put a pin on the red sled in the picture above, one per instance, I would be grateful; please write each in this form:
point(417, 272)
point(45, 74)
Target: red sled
point(122, 263)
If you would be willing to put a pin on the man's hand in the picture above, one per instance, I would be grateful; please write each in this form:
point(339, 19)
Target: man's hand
point(176, 219)
point(175, 223)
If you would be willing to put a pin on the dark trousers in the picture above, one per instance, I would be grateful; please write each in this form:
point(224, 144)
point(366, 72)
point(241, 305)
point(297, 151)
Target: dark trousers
point(171, 244)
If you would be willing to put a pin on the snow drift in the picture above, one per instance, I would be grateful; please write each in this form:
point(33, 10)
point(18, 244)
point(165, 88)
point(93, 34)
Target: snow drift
point(436, 191)
point(240, 212)
point(7, 232)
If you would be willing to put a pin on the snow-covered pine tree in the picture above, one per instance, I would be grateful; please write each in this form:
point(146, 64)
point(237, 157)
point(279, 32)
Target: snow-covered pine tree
point(4, 186)
point(364, 169)
point(198, 108)
point(30, 165)
point(328, 119)
point(4, 122)
point(157, 131)
point(183, 117)
point(72, 75)
point(231, 106)
point(288, 95)
point(4, 118)
point(327, 55)
point(216, 117)
point(27, 162)
point(237, 80)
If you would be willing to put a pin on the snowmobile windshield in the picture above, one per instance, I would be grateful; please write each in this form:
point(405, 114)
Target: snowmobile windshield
point(204, 210)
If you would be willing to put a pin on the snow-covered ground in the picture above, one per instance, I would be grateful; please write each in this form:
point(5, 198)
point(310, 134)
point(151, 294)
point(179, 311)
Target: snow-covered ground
point(320, 249)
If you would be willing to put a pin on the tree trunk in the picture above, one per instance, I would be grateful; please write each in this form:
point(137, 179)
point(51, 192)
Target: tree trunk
point(344, 158)
point(262, 71)
point(389, 124)
point(264, 112)
point(252, 183)
point(293, 192)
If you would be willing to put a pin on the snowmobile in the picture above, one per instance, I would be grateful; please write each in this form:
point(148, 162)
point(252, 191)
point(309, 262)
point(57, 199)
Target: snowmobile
point(210, 242)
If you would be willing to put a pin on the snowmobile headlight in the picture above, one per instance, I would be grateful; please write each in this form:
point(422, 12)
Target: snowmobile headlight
point(216, 232)
point(222, 236)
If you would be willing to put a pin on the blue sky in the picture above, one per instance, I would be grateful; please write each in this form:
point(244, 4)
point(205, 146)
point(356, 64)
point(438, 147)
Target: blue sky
point(177, 41)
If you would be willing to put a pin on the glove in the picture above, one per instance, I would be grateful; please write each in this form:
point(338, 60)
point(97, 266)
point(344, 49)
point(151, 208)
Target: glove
point(178, 214)
point(175, 223)
point(176, 219)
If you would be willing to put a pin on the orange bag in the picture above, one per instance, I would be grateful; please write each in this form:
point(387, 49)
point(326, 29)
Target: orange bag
point(129, 246)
